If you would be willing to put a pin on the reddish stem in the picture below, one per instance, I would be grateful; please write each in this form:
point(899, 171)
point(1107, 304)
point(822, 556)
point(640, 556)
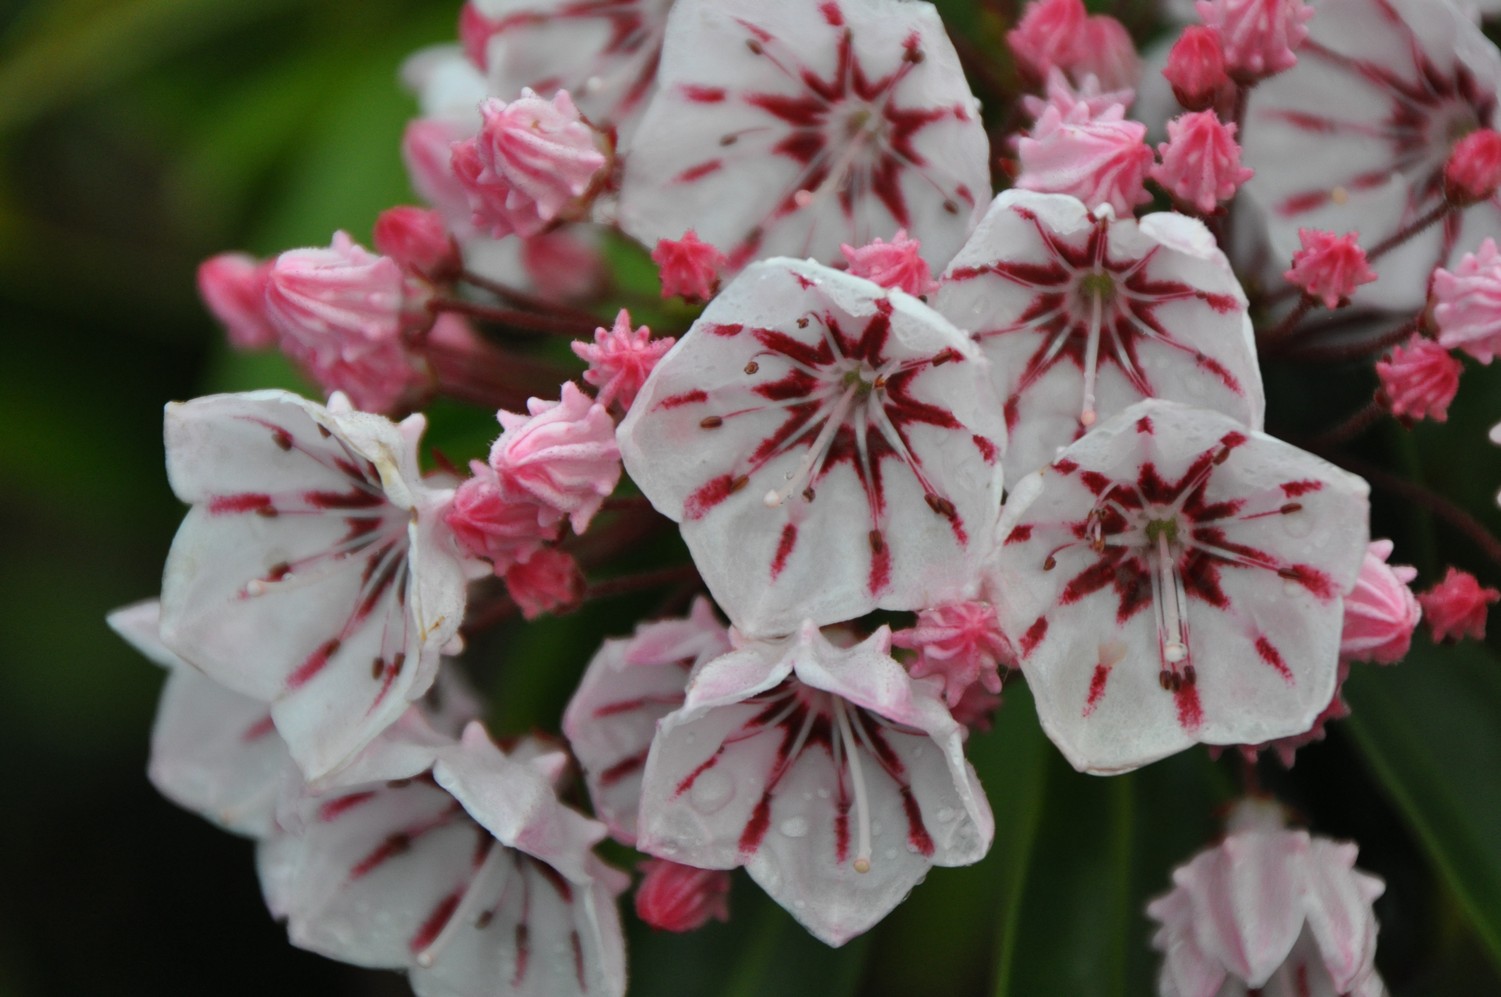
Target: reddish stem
point(1356, 423)
point(516, 320)
point(531, 302)
point(626, 584)
point(1289, 323)
point(1408, 231)
point(1354, 351)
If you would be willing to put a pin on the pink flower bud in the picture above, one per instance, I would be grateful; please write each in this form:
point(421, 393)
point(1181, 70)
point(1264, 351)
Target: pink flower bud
point(619, 360)
point(546, 582)
point(1381, 611)
point(1467, 303)
point(677, 897)
point(233, 286)
point(347, 315)
point(427, 151)
point(1099, 160)
point(1473, 171)
point(1329, 267)
point(562, 456)
point(1420, 381)
point(562, 264)
point(1046, 36)
point(1259, 37)
point(1456, 607)
point(418, 240)
point(1104, 50)
point(892, 264)
point(1063, 95)
point(689, 267)
point(1196, 68)
point(534, 161)
point(487, 523)
point(960, 643)
point(1200, 161)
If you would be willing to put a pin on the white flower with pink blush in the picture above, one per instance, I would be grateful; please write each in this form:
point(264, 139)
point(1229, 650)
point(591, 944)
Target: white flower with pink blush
point(790, 127)
point(1270, 911)
point(1084, 314)
point(456, 862)
point(314, 571)
point(1175, 578)
point(828, 445)
point(835, 778)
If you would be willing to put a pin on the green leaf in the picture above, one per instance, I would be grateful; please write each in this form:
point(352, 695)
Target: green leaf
point(1430, 730)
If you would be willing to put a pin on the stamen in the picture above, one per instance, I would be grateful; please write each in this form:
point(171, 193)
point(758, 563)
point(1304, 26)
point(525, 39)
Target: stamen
point(474, 895)
point(798, 478)
point(1169, 604)
point(1088, 416)
point(857, 781)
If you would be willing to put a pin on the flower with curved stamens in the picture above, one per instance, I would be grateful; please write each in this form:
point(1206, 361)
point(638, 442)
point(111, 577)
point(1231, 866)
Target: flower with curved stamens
point(835, 778)
point(1174, 578)
point(1082, 315)
point(1357, 134)
point(314, 571)
point(810, 413)
point(455, 862)
point(789, 127)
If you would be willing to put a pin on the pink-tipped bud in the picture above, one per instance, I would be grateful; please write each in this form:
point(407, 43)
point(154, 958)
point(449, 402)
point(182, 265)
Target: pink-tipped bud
point(1455, 608)
point(1467, 303)
point(418, 240)
point(1200, 161)
point(1259, 37)
point(1046, 36)
point(562, 456)
point(533, 162)
point(1473, 171)
point(1329, 267)
point(547, 582)
point(1065, 96)
point(487, 523)
point(475, 32)
point(1099, 160)
point(676, 897)
point(1419, 381)
point(233, 287)
point(1105, 51)
point(1380, 612)
point(689, 267)
point(960, 643)
point(1196, 68)
point(896, 264)
point(620, 359)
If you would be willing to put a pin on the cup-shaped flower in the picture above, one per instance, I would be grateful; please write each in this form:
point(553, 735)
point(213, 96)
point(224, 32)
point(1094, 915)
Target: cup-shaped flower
point(453, 861)
point(828, 772)
point(828, 445)
point(630, 684)
point(1174, 578)
point(314, 571)
point(783, 126)
point(1083, 314)
point(1270, 910)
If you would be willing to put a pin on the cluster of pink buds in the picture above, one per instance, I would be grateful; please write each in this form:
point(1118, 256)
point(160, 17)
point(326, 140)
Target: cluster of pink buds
point(928, 426)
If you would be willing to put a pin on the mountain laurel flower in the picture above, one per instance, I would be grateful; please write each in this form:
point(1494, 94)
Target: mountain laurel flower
point(961, 644)
point(1473, 171)
point(829, 446)
point(533, 162)
point(1381, 612)
point(1268, 910)
point(314, 571)
point(1329, 267)
point(832, 775)
point(1259, 37)
point(1063, 94)
point(629, 685)
point(418, 240)
point(1196, 68)
point(1101, 159)
point(1456, 607)
point(1419, 381)
point(547, 582)
point(1082, 313)
point(1162, 591)
point(1200, 161)
point(561, 456)
point(689, 267)
point(620, 359)
point(897, 264)
point(1467, 304)
point(679, 898)
point(504, 529)
point(233, 286)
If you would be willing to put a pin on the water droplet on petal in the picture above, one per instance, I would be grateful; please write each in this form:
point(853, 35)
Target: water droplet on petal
point(711, 791)
point(794, 827)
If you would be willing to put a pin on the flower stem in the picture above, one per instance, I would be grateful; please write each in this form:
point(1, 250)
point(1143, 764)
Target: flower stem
point(1356, 423)
point(516, 320)
point(531, 302)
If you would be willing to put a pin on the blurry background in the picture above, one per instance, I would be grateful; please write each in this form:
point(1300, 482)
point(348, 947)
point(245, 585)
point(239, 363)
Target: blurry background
point(139, 136)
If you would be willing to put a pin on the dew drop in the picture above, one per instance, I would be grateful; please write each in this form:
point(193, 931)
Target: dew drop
point(711, 791)
point(794, 827)
point(945, 815)
point(1291, 587)
point(823, 794)
point(1297, 525)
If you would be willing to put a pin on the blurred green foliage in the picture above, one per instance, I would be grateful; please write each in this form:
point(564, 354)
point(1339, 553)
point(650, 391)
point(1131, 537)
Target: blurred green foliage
point(139, 136)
